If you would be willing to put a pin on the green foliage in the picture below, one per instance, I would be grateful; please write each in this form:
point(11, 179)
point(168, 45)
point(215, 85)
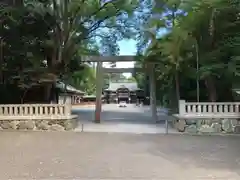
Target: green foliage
point(50, 37)
point(199, 32)
point(131, 79)
point(84, 80)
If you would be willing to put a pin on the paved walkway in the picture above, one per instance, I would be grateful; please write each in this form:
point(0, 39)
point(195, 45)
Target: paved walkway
point(60, 155)
point(125, 128)
point(131, 119)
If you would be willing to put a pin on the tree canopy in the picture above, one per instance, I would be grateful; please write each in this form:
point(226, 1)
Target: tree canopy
point(195, 45)
point(41, 41)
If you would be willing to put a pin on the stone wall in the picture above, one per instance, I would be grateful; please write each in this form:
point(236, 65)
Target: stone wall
point(45, 125)
point(209, 126)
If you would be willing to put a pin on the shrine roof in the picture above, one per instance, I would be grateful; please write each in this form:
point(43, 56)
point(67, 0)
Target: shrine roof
point(113, 86)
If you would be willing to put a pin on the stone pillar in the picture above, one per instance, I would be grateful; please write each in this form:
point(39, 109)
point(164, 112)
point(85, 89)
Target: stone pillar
point(182, 107)
point(73, 99)
point(68, 108)
point(99, 86)
point(153, 101)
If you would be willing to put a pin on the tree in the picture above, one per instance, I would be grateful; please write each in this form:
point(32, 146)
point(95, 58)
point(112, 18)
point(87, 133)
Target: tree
point(84, 80)
point(209, 43)
point(131, 79)
point(68, 31)
point(78, 21)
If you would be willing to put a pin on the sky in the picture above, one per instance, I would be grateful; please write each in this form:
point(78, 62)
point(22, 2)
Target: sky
point(127, 47)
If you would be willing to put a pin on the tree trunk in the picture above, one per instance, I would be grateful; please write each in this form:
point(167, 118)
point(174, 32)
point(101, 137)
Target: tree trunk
point(53, 96)
point(177, 86)
point(23, 96)
point(47, 94)
point(177, 90)
point(172, 97)
point(209, 81)
point(65, 93)
point(1, 61)
point(197, 66)
point(211, 88)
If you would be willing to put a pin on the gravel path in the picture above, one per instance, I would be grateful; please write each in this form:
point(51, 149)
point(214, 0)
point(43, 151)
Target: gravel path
point(69, 155)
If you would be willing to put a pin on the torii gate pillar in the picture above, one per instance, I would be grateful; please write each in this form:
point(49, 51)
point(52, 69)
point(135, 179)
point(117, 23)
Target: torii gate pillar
point(153, 102)
point(99, 87)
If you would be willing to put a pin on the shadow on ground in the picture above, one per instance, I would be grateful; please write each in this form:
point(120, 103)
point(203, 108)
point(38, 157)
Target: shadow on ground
point(120, 120)
point(204, 152)
point(117, 115)
point(69, 155)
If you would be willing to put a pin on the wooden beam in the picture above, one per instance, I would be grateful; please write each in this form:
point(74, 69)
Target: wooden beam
point(99, 87)
point(108, 58)
point(122, 70)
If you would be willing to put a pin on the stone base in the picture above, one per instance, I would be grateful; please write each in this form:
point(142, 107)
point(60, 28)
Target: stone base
point(45, 125)
point(209, 126)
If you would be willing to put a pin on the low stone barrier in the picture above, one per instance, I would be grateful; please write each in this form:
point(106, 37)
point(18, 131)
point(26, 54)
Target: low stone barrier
point(197, 126)
point(52, 117)
point(208, 117)
point(45, 125)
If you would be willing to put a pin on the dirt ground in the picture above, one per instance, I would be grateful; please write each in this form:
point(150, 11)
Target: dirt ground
point(115, 156)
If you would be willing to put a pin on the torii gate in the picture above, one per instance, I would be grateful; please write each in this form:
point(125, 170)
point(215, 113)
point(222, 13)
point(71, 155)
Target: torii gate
point(99, 84)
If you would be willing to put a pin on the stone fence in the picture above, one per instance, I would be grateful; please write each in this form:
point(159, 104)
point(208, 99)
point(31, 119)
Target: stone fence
point(37, 116)
point(209, 108)
point(208, 117)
